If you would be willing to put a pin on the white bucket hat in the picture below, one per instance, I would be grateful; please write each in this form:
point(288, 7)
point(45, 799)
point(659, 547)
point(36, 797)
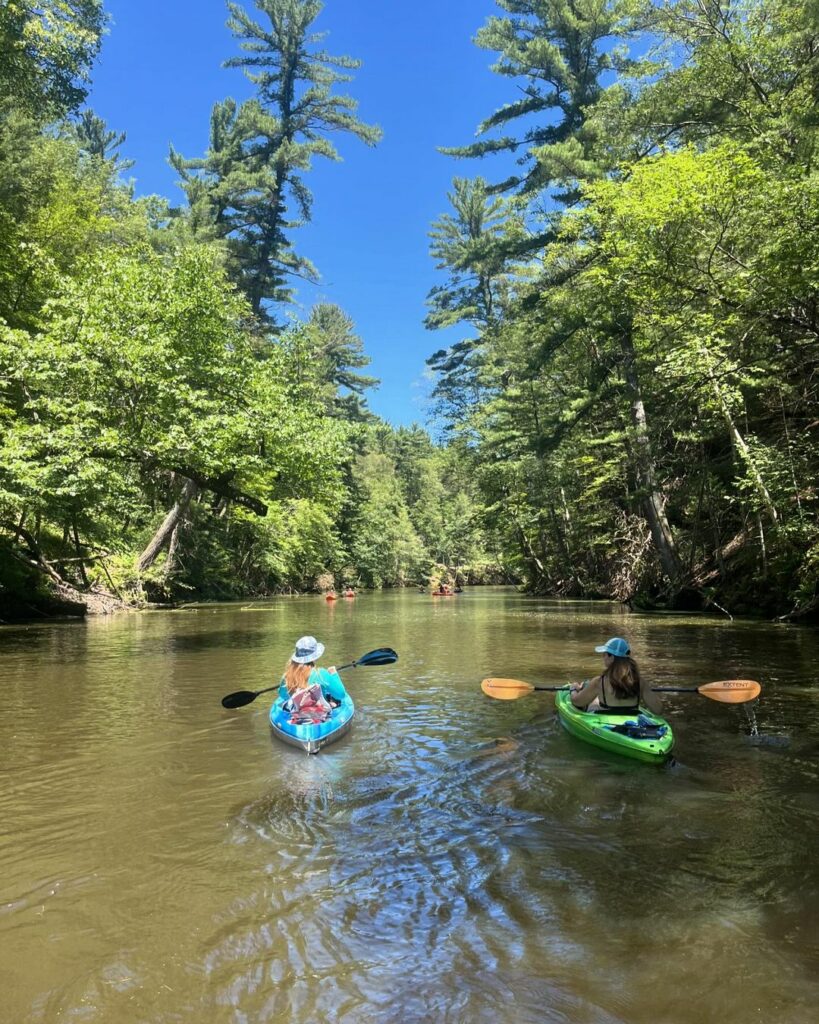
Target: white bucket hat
point(307, 649)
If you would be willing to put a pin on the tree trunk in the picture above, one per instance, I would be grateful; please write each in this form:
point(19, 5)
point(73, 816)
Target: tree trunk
point(560, 532)
point(660, 528)
point(163, 534)
point(741, 447)
point(77, 546)
point(170, 561)
point(35, 558)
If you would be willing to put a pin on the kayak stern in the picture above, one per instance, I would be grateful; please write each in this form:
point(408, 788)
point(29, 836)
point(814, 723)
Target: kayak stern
point(312, 736)
point(599, 731)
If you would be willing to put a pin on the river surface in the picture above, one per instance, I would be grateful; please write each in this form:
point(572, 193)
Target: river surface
point(453, 859)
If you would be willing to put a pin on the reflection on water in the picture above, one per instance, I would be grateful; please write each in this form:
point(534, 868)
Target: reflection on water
point(454, 859)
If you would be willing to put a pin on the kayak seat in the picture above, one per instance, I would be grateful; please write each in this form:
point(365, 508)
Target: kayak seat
point(313, 716)
point(308, 706)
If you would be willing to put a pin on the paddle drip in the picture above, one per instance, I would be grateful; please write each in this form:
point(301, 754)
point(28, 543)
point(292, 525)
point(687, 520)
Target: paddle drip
point(750, 714)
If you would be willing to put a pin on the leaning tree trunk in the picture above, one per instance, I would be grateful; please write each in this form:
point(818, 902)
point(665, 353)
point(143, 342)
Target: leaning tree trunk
point(660, 528)
point(742, 449)
point(527, 549)
point(170, 561)
point(169, 523)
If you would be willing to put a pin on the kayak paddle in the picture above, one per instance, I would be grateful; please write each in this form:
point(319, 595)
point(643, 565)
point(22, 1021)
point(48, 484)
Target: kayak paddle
point(728, 691)
point(380, 656)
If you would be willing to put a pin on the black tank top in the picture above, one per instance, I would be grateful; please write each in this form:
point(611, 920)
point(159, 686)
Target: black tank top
point(615, 709)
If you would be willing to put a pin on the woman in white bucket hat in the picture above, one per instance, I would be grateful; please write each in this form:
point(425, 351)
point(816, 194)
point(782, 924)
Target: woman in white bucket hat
point(619, 690)
point(301, 672)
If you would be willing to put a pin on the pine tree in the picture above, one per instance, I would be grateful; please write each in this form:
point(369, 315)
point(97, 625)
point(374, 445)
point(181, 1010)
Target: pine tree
point(466, 243)
point(249, 188)
point(470, 243)
point(98, 141)
point(338, 353)
point(561, 48)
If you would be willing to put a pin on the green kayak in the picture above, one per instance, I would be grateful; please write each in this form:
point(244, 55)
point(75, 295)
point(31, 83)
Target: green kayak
point(646, 737)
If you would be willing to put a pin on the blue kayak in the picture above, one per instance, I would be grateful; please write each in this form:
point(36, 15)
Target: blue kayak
point(312, 736)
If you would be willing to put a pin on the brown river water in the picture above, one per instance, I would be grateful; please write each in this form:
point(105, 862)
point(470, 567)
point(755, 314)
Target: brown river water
point(453, 859)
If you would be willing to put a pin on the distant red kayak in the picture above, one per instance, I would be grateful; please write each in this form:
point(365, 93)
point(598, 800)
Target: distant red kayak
point(441, 593)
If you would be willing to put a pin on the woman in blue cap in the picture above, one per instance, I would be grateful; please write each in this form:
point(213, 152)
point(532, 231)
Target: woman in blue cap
point(619, 690)
point(301, 673)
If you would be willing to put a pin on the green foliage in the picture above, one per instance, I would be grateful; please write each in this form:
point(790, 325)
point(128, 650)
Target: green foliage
point(635, 401)
point(335, 353)
point(384, 546)
point(647, 390)
point(155, 441)
point(47, 49)
point(55, 209)
point(97, 141)
point(740, 69)
point(561, 51)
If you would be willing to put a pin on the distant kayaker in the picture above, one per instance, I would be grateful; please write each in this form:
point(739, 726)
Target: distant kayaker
point(619, 690)
point(302, 673)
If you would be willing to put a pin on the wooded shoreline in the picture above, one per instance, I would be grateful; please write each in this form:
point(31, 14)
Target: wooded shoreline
point(70, 604)
point(633, 412)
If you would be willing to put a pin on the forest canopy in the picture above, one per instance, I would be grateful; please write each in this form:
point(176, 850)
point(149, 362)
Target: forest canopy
point(631, 409)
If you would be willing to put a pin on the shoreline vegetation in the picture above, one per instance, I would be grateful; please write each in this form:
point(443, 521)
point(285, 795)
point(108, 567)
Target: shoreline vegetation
point(66, 603)
point(632, 413)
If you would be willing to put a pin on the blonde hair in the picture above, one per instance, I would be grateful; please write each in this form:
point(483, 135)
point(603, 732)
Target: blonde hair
point(623, 676)
point(297, 676)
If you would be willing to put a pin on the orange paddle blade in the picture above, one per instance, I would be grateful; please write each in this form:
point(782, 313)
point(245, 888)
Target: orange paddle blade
point(506, 689)
point(731, 691)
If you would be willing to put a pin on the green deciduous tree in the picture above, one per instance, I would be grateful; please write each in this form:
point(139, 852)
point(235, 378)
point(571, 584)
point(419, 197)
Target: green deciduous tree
point(47, 49)
point(143, 374)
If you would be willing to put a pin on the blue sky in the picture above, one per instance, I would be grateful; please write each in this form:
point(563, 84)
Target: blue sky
point(423, 81)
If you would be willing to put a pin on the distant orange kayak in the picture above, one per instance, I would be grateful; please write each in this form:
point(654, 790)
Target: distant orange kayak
point(330, 597)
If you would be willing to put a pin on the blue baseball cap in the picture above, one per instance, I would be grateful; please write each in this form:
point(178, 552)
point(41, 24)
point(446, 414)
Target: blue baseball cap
point(616, 646)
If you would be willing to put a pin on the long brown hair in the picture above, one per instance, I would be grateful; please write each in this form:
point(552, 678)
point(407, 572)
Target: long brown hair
point(623, 676)
point(297, 676)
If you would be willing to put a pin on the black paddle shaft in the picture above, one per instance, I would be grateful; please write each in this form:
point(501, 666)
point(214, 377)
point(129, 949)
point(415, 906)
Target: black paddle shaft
point(381, 656)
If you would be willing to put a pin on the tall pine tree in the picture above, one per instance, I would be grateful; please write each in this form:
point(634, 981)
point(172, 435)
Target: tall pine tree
point(560, 49)
point(469, 243)
point(249, 188)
